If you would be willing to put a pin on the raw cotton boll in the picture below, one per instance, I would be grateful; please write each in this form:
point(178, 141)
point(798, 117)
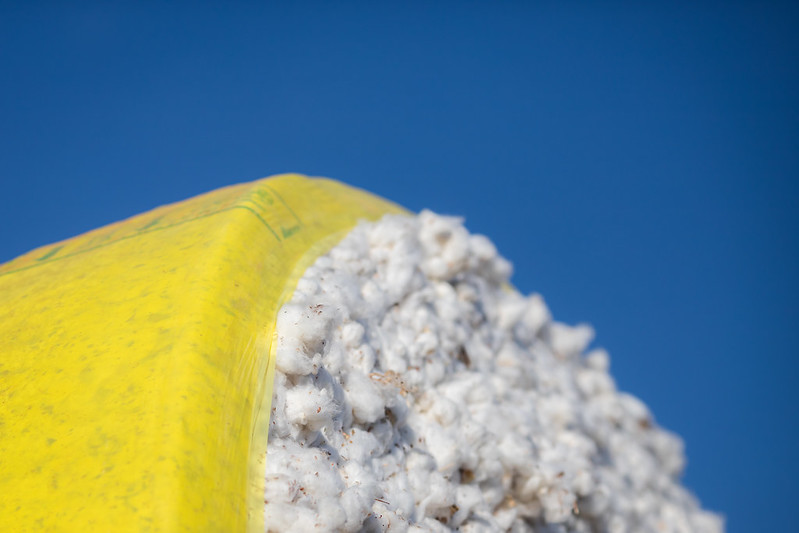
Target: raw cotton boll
point(348, 255)
point(435, 370)
point(705, 521)
point(333, 514)
point(291, 518)
point(637, 417)
point(364, 397)
point(479, 353)
point(558, 504)
point(595, 503)
point(570, 341)
point(510, 365)
point(374, 300)
point(293, 354)
point(280, 425)
point(557, 411)
point(415, 390)
point(668, 447)
point(382, 433)
point(592, 383)
point(441, 443)
point(396, 253)
point(360, 447)
point(351, 334)
point(397, 492)
point(482, 249)
point(511, 312)
point(306, 287)
point(535, 316)
point(444, 411)
point(485, 261)
point(439, 496)
point(383, 518)
point(292, 359)
point(466, 293)
point(310, 407)
point(598, 360)
point(307, 324)
point(446, 306)
point(425, 343)
point(356, 504)
point(583, 483)
point(515, 452)
point(499, 271)
point(362, 358)
point(335, 358)
point(446, 245)
point(294, 474)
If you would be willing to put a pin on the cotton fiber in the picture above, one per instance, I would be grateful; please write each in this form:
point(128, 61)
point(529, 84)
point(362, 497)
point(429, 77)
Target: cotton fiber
point(415, 390)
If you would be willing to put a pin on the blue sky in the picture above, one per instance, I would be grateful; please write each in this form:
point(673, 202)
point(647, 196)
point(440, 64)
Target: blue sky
point(637, 163)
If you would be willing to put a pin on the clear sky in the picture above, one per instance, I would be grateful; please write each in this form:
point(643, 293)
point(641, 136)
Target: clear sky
point(637, 162)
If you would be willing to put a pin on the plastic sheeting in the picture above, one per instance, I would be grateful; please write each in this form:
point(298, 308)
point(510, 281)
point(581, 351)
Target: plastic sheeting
point(135, 360)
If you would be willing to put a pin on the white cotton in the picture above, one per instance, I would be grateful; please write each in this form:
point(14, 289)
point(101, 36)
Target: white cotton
point(310, 406)
point(568, 341)
point(416, 391)
point(365, 397)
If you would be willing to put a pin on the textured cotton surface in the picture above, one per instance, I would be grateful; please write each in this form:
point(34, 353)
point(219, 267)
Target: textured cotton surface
point(416, 391)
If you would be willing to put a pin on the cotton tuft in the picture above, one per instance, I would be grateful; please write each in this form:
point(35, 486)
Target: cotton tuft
point(415, 390)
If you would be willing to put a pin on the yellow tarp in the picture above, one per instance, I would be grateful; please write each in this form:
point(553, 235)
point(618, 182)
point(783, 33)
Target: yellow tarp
point(135, 362)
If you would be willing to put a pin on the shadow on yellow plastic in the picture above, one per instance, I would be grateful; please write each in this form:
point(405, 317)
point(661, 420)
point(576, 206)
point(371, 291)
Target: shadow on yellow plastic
point(135, 360)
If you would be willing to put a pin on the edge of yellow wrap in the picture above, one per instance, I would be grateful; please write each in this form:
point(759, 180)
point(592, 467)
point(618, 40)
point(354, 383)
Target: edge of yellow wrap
point(136, 360)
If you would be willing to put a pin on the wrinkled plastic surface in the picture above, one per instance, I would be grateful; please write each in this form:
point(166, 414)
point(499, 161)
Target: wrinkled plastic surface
point(135, 360)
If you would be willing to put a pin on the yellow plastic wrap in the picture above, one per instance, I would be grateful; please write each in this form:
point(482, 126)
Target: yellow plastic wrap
point(135, 360)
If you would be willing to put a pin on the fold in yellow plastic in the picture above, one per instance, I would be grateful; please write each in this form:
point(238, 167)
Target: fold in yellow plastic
point(135, 363)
